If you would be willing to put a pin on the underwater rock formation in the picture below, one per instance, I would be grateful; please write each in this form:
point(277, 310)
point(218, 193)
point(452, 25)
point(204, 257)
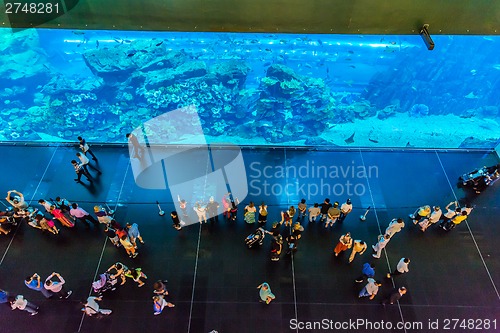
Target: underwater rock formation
point(419, 110)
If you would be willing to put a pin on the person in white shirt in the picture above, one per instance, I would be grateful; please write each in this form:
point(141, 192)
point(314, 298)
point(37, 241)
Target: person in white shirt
point(91, 307)
point(57, 286)
point(468, 208)
point(201, 211)
point(401, 268)
point(314, 212)
point(345, 209)
point(21, 303)
point(16, 200)
point(85, 162)
point(45, 204)
point(434, 218)
point(395, 226)
point(371, 289)
point(381, 244)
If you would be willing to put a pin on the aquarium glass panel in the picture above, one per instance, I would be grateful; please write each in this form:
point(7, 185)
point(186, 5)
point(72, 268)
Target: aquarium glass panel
point(250, 89)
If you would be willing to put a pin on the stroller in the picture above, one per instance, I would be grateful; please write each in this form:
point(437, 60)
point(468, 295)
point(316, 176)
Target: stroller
point(479, 179)
point(256, 237)
point(104, 283)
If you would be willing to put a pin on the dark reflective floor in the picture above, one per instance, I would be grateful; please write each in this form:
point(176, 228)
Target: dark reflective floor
point(213, 276)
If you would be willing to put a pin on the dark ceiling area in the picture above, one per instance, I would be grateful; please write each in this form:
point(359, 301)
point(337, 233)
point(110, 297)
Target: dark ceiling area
point(449, 17)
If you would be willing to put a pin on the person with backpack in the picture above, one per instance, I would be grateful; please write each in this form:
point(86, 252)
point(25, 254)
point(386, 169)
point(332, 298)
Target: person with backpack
point(262, 213)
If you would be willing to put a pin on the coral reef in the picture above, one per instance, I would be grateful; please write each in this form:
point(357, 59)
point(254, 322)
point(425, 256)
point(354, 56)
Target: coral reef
point(419, 110)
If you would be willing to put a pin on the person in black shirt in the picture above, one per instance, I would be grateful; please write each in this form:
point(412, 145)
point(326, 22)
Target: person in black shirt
point(325, 206)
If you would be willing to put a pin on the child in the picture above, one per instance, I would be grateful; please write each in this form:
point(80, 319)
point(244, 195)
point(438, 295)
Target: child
point(159, 304)
point(59, 215)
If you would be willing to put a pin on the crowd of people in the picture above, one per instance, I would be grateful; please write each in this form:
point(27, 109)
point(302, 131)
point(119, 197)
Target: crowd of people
point(285, 235)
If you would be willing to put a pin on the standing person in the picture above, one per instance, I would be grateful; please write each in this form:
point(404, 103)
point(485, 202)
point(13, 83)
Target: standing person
point(368, 271)
point(59, 215)
point(395, 296)
point(333, 214)
point(314, 212)
point(401, 268)
point(395, 226)
point(183, 207)
point(136, 274)
point(45, 204)
point(111, 234)
point(345, 209)
point(128, 246)
point(176, 222)
point(345, 242)
point(450, 213)
point(265, 293)
point(434, 218)
point(213, 210)
point(159, 303)
point(57, 286)
point(263, 213)
point(85, 147)
point(421, 213)
point(287, 216)
point(381, 244)
point(201, 211)
point(358, 247)
point(4, 296)
point(34, 283)
point(118, 270)
point(302, 208)
point(85, 163)
point(276, 246)
point(250, 211)
point(62, 204)
point(233, 208)
point(456, 220)
point(21, 303)
point(91, 307)
point(80, 171)
point(102, 215)
point(17, 201)
point(325, 206)
point(137, 149)
point(133, 233)
point(81, 215)
point(371, 289)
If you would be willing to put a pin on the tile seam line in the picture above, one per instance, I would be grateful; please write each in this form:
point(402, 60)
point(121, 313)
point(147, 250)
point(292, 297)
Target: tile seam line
point(469, 229)
point(380, 231)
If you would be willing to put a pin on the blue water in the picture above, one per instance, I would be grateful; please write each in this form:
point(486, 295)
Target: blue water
point(283, 89)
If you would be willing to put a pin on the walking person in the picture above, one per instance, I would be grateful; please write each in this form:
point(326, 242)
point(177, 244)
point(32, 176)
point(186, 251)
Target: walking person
point(176, 222)
point(91, 307)
point(112, 236)
point(395, 296)
point(345, 209)
point(401, 268)
point(136, 274)
point(85, 163)
point(84, 146)
point(345, 242)
point(314, 212)
point(250, 211)
point(128, 246)
point(56, 286)
point(133, 233)
point(381, 244)
point(450, 213)
point(102, 215)
point(21, 303)
point(302, 209)
point(421, 213)
point(262, 213)
point(371, 289)
point(395, 226)
point(34, 283)
point(159, 303)
point(358, 247)
point(160, 287)
point(368, 271)
point(81, 215)
point(80, 171)
point(118, 270)
point(265, 293)
point(456, 220)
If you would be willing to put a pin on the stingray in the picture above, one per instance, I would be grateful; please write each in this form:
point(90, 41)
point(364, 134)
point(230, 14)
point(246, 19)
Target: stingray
point(350, 139)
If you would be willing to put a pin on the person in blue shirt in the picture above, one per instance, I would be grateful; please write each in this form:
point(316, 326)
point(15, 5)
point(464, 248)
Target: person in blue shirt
point(34, 283)
point(133, 233)
point(368, 271)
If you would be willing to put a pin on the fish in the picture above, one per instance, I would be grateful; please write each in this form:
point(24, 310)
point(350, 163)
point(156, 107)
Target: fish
point(374, 141)
point(79, 32)
point(350, 51)
point(120, 41)
point(352, 66)
point(159, 43)
point(128, 41)
point(473, 72)
point(489, 39)
point(471, 95)
point(44, 65)
point(308, 65)
point(131, 54)
point(350, 139)
point(497, 67)
point(413, 88)
point(96, 44)
point(269, 50)
point(408, 144)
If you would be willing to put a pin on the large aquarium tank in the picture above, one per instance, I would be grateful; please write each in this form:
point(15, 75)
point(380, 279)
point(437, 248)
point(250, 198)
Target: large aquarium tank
point(251, 89)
